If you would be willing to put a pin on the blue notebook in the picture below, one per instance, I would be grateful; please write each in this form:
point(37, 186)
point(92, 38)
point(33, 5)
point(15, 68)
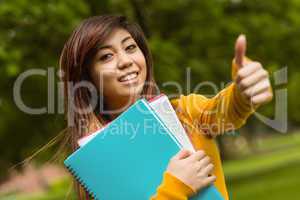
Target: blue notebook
point(128, 159)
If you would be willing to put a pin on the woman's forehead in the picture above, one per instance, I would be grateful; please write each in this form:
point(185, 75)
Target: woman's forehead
point(117, 36)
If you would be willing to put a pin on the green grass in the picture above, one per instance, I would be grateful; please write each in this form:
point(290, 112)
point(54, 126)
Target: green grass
point(274, 175)
point(278, 184)
point(261, 163)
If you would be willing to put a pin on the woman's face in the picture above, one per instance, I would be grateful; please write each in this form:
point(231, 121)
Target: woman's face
point(119, 68)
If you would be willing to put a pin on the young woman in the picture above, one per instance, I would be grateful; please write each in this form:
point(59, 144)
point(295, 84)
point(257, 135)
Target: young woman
point(111, 54)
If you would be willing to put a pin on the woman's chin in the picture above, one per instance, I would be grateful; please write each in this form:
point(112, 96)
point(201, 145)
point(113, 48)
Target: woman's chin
point(131, 94)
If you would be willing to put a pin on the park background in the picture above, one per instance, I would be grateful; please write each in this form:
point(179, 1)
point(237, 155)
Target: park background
point(259, 162)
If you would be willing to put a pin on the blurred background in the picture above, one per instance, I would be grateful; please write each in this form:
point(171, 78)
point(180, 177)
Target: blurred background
point(260, 162)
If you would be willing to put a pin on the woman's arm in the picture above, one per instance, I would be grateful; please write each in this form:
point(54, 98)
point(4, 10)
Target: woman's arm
point(226, 111)
point(230, 108)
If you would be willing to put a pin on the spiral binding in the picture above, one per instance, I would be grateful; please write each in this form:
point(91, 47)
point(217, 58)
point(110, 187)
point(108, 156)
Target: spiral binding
point(81, 182)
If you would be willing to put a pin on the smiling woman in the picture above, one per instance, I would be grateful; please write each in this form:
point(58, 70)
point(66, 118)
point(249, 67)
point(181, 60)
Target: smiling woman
point(111, 54)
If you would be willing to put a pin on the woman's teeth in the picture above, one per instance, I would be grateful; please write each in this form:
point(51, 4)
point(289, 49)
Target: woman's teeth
point(129, 77)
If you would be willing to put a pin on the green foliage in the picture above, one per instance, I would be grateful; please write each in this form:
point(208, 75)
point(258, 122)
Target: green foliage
point(32, 36)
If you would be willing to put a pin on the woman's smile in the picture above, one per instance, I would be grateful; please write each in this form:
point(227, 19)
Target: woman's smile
point(129, 78)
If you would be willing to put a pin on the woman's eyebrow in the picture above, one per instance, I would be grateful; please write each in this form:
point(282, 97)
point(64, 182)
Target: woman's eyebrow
point(104, 47)
point(126, 38)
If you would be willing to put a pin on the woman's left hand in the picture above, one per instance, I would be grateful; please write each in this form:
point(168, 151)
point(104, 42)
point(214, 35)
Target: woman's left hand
point(251, 78)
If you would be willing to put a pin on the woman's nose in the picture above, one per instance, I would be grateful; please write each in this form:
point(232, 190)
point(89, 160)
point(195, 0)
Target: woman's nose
point(124, 61)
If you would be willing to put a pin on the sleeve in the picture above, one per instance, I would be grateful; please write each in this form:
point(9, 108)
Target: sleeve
point(226, 111)
point(172, 189)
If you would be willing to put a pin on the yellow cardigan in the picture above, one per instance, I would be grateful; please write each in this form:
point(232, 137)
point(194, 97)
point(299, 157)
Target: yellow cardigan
point(228, 110)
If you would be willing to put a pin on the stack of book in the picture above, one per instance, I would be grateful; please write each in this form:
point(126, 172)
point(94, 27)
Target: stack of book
point(127, 158)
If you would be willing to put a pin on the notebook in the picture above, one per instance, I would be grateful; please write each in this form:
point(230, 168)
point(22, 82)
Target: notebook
point(163, 108)
point(145, 145)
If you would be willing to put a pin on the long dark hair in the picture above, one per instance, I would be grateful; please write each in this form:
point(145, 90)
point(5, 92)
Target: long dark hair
point(75, 58)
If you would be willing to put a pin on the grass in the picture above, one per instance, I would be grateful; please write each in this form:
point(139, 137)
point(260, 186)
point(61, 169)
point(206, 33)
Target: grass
point(274, 175)
point(278, 184)
point(261, 163)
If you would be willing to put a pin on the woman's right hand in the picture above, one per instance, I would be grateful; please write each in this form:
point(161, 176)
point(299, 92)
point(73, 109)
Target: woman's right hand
point(193, 169)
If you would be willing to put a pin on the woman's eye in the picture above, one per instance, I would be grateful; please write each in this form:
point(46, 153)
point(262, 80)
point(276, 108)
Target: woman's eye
point(105, 57)
point(130, 47)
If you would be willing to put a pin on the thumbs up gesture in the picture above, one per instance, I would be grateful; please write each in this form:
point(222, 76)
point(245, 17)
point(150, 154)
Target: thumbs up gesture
point(251, 78)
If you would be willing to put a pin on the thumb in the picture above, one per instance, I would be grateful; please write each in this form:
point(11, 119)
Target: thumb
point(240, 50)
point(182, 154)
